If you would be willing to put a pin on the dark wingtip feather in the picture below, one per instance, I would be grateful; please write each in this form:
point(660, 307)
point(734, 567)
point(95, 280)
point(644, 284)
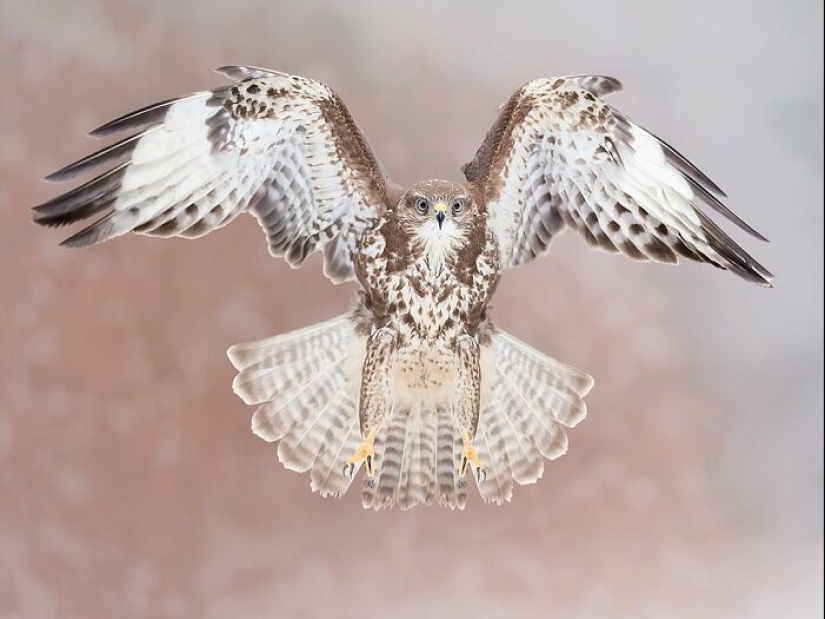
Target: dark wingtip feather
point(686, 167)
point(712, 201)
point(750, 271)
point(81, 202)
point(677, 159)
point(736, 258)
point(65, 173)
point(49, 220)
point(138, 119)
point(99, 158)
point(707, 191)
point(101, 230)
point(57, 177)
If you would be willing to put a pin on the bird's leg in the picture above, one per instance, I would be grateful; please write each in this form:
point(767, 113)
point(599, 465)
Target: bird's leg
point(468, 396)
point(374, 405)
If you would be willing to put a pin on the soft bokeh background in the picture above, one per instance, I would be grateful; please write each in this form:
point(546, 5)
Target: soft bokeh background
point(130, 484)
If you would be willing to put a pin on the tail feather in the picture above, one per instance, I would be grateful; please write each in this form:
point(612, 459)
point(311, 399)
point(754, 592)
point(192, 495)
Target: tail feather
point(290, 376)
point(285, 362)
point(260, 383)
point(565, 404)
point(274, 419)
point(305, 439)
point(340, 442)
point(402, 482)
point(451, 491)
point(546, 434)
point(294, 345)
point(307, 385)
point(421, 476)
point(520, 450)
point(392, 463)
point(547, 384)
point(498, 486)
point(407, 480)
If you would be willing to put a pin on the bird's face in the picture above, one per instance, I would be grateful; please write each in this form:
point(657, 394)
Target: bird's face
point(437, 216)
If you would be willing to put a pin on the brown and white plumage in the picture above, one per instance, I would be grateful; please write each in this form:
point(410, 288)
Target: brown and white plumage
point(282, 147)
point(415, 386)
point(558, 156)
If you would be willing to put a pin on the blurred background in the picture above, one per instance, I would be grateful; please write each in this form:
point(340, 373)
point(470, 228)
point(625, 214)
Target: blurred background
point(130, 483)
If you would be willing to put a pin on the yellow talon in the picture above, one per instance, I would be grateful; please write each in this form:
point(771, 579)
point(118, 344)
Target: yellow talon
point(470, 456)
point(365, 453)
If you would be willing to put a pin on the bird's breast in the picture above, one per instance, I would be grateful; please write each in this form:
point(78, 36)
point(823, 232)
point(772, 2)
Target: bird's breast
point(431, 304)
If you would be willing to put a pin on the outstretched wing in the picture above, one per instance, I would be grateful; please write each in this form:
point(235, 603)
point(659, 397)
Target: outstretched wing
point(558, 156)
point(282, 147)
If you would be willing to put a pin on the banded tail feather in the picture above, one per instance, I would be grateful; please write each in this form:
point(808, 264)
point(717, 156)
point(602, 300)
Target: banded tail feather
point(306, 386)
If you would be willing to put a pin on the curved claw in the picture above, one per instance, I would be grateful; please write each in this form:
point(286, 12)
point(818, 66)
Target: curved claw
point(481, 472)
point(364, 454)
point(469, 456)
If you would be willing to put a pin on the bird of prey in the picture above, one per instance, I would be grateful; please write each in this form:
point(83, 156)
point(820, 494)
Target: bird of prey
point(415, 385)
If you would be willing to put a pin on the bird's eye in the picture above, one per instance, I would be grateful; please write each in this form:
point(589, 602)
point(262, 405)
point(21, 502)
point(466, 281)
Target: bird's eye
point(422, 205)
point(458, 207)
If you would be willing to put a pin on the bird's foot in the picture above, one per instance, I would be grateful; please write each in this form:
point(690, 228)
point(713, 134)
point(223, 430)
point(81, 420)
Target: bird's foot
point(365, 454)
point(469, 456)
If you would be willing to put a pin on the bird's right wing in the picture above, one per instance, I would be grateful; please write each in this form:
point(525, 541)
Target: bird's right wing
point(282, 147)
point(558, 156)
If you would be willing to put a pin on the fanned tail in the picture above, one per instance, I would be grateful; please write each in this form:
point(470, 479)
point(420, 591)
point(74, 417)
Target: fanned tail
point(306, 385)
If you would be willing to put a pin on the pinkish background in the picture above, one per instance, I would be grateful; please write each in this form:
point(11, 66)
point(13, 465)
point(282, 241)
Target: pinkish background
point(130, 484)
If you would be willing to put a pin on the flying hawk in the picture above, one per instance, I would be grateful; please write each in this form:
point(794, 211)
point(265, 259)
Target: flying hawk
point(415, 384)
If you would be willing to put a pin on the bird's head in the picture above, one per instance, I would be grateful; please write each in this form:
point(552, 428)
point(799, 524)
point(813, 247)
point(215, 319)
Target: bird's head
point(438, 215)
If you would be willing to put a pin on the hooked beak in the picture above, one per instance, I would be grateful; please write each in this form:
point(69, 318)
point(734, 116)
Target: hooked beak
point(440, 213)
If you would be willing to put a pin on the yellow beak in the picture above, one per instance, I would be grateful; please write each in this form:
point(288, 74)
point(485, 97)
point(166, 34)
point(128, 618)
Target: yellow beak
point(440, 210)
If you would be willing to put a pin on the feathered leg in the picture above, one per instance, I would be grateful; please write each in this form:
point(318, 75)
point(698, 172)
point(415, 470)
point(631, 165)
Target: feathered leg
point(375, 403)
point(468, 397)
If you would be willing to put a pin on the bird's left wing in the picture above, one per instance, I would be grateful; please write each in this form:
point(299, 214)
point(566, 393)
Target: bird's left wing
point(282, 147)
point(558, 156)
